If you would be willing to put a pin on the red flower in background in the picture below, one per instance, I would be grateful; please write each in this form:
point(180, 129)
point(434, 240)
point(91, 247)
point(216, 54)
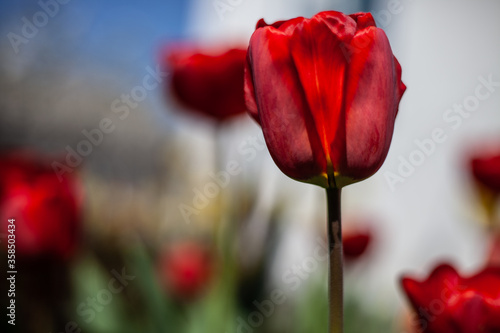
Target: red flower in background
point(47, 211)
point(486, 170)
point(355, 244)
point(447, 303)
point(326, 92)
point(186, 269)
point(209, 84)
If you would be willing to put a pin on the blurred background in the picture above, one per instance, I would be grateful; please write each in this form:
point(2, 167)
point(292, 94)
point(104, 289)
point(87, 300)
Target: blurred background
point(149, 257)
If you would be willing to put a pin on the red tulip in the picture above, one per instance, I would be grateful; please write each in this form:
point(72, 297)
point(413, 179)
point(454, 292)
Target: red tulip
point(486, 170)
point(355, 244)
point(447, 303)
point(46, 210)
point(326, 92)
point(186, 269)
point(209, 84)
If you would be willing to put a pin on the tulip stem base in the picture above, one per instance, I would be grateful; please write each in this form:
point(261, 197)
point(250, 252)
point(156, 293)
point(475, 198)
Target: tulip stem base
point(335, 274)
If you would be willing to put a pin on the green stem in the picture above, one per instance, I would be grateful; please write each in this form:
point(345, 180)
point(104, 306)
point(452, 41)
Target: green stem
point(335, 276)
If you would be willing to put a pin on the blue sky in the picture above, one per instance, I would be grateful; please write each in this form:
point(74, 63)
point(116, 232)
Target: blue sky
point(103, 31)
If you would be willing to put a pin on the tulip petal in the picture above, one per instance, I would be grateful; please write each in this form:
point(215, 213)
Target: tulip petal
point(487, 282)
point(371, 101)
point(401, 86)
point(444, 278)
point(441, 286)
point(318, 51)
point(250, 92)
point(363, 20)
point(287, 26)
point(447, 302)
point(283, 110)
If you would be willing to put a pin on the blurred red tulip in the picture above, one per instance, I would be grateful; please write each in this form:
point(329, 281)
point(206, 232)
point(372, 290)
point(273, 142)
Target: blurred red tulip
point(326, 92)
point(186, 269)
point(448, 303)
point(355, 244)
point(209, 84)
point(486, 170)
point(47, 211)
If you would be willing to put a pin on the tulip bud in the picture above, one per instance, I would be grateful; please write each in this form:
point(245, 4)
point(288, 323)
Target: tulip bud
point(186, 269)
point(355, 244)
point(326, 92)
point(208, 84)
